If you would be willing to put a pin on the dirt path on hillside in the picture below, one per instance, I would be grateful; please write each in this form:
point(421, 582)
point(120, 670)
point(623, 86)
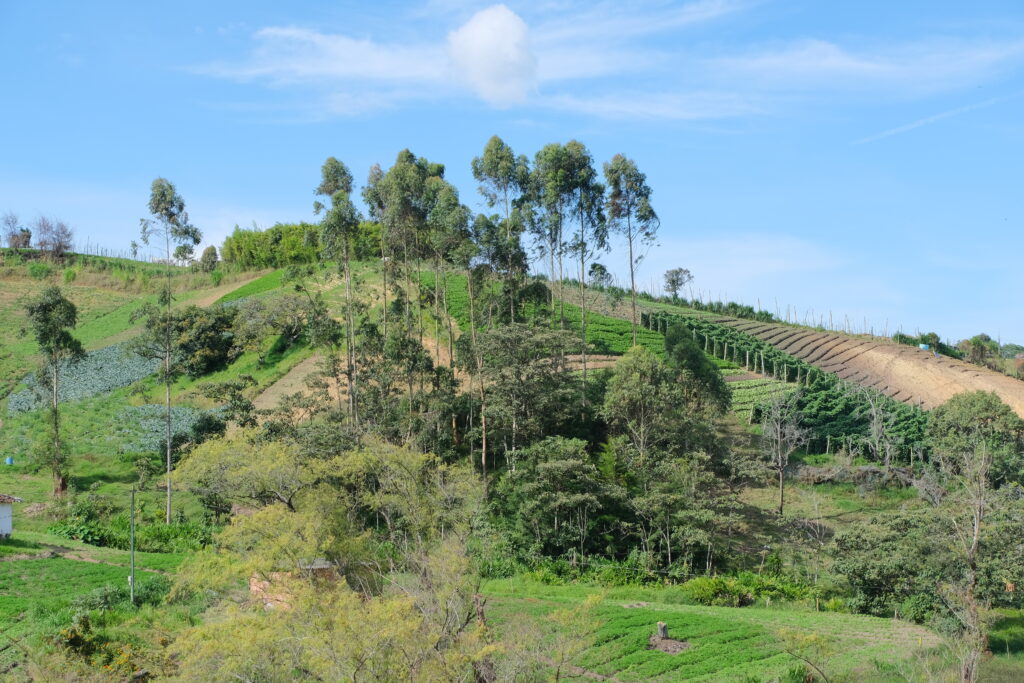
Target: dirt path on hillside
point(293, 382)
point(211, 296)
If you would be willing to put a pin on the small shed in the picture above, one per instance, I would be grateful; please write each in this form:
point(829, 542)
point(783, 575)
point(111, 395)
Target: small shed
point(7, 514)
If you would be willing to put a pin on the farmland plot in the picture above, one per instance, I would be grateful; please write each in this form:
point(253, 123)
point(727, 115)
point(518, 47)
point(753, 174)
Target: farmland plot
point(901, 372)
point(719, 643)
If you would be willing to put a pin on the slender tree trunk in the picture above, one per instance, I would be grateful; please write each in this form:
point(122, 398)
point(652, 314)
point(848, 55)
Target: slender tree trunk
point(437, 309)
point(583, 315)
point(60, 484)
point(167, 373)
point(384, 267)
point(551, 290)
point(350, 363)
point(480, 380)
point(448, 319)
point(782, 489)
point(561, 282)
point(167, 434)
point(632, 274)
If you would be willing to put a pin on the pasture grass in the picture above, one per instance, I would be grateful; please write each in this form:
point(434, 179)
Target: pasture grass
point(37, 596)
point(261, 285)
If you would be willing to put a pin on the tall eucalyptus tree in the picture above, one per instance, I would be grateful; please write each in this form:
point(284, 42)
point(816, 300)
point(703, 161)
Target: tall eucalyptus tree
point(337, 230)
point(170, 224)
point(552, 191)
point(52, 317)
point(630, 214)
point(504, 182)
point(591, 236)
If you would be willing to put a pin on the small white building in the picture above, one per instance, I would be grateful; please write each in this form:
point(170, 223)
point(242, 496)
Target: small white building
point(7, 514)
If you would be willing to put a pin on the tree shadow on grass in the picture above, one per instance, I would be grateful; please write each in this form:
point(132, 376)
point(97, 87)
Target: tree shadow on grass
point(7, 544)
point(1007, 635)
point(83, 482)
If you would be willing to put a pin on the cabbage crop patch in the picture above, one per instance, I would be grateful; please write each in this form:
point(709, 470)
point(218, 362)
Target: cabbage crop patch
point(100, 372)
point(143, 427)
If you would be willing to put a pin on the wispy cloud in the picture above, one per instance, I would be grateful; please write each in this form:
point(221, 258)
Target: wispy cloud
point(691, 106)
point(494, 54)
point(912, 68)
point(928, 120)
point(616, 22)
point(607, 60)
point(290, 54)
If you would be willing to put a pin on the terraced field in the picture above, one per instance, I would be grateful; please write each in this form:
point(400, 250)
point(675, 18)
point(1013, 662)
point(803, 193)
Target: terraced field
point(902, 372)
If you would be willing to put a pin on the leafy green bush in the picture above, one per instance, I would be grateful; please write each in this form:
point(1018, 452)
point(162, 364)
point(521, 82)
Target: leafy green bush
point(177, 537)
point(39, 271)
point(216, 277)
point(743, 589)
point(149, 590)
point(69, 275)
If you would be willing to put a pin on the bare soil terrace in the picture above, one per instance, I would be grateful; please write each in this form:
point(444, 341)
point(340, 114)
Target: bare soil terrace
point(905, 373)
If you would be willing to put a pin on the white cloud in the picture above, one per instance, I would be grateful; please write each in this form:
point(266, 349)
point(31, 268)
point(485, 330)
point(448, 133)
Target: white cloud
point(494, 54)
point(491, 52)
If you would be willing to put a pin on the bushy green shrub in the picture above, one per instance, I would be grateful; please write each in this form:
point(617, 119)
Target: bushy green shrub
point(95, 519)
point(39, 271)
point(177, 537)
point(69, 275)
point(743, 589)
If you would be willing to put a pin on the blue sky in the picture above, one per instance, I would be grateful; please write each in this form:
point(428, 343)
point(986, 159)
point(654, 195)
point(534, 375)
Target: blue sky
point(863, 158)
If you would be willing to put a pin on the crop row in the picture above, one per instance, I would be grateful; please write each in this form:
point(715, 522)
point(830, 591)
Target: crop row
point(717, 647)
point(831, 408)
point(737, 347)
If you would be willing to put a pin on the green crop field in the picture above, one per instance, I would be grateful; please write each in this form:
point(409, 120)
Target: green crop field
point(748, 394)
point(722, 643)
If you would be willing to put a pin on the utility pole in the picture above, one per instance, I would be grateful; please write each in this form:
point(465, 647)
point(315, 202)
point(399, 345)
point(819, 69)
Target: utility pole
point(131, 578)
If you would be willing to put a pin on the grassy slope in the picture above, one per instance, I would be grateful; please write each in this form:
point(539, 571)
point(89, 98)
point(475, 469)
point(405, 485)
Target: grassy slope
point(41, 573)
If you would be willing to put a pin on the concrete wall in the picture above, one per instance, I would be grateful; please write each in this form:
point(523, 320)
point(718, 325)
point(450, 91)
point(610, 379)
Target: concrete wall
point(6, 519)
